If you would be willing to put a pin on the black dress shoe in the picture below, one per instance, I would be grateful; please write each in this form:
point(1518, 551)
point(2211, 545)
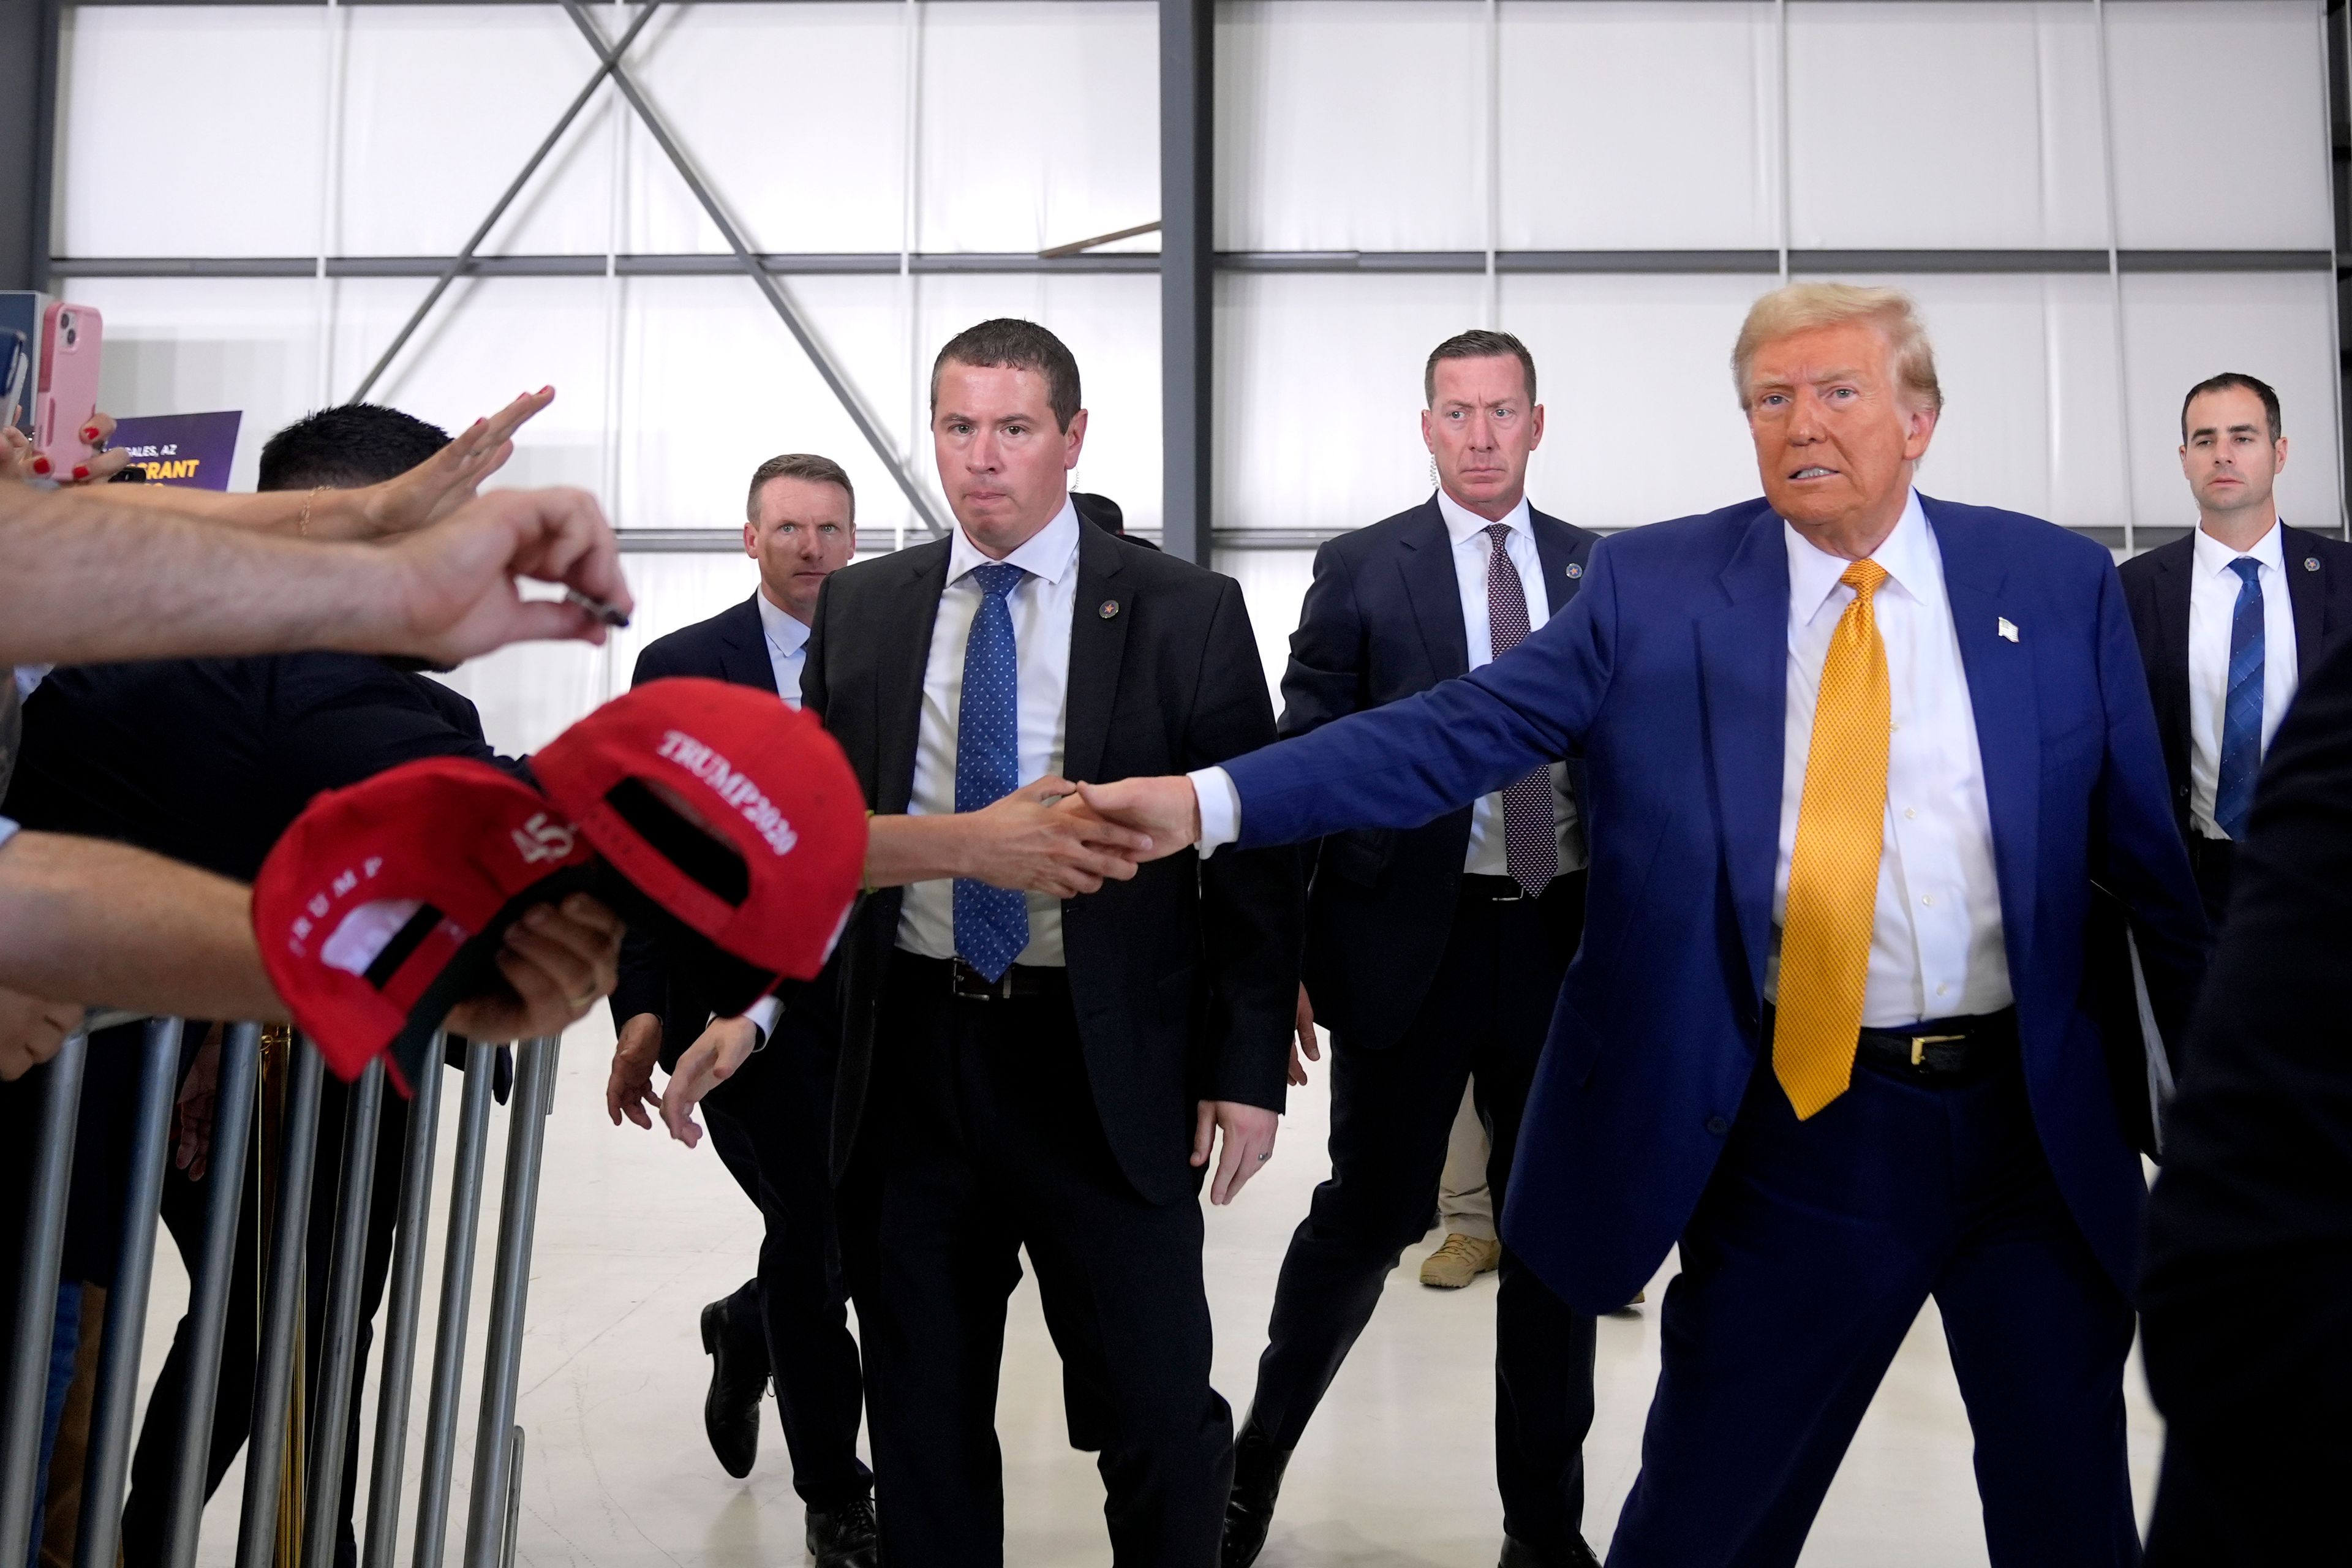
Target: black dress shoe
point(845, 1537)
point(1249, 1512)
point(731, 1411)
point(1518, 1553)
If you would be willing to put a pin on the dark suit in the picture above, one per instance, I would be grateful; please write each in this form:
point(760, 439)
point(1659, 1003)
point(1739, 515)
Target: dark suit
point(2156, 587)
point(2250, 1206)
point(1424, 979)
point(208, 760)
point(1061, 1121)
point(768, 1123)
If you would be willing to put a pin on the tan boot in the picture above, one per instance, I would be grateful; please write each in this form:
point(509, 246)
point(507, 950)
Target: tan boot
point(1462, 1260)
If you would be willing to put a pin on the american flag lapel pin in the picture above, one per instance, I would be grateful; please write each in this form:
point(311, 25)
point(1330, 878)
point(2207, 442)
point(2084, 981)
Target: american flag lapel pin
point(2005, 628)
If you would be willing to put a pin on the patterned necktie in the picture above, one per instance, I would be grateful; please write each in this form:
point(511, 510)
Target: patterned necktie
point(2242, 705)
point(1833, 871)
point(992, 924)
point(1530, 842)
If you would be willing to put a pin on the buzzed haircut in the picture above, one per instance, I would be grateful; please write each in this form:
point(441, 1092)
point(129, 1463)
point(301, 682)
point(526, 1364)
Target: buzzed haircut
point(1476, 344)
point(799, 465)
point(1010, 343)
point(2231, 380)
point(346, 446)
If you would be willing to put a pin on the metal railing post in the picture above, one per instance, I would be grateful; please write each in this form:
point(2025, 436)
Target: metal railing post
point(281, 1295)
point(108, 1455)
point(400, 1314)
point(37, 1300)
point(456, 1294)
point(331, 1399)
point(240, 1071)
point(486, 1511)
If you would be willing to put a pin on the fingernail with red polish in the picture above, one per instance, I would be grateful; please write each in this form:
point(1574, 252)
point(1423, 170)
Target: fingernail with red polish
point(40, 464)
point(81, 470)
point(89, 432)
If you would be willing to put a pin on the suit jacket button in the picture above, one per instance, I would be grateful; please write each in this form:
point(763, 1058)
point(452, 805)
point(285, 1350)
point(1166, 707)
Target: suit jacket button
point(1718, 1125)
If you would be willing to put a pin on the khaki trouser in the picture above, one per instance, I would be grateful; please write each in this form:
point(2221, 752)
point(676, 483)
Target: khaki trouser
point(1464, 1204)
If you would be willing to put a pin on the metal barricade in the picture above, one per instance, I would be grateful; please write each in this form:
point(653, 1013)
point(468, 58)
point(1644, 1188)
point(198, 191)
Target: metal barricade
point(281, 1523)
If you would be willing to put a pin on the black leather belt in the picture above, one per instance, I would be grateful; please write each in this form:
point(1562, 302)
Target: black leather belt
point(961, 981)
point(1943, 1050)
point(1488, 889)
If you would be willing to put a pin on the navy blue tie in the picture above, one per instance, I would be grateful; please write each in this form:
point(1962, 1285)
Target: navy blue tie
point(2242, 705)
point(992, 924)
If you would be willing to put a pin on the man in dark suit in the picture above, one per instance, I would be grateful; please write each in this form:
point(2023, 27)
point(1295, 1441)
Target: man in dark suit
point(768, 1121)
point(1433, 954)
point(2250, 1205)
point(1851, 759)
point(208, 760)
point(2229, 616)
point(1032, 1072)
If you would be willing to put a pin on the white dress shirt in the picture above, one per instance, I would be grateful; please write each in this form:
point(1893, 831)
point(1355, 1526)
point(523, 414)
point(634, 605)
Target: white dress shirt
point(1042, 604)
point(1936, 948)
point(2213, 608)
point(1488, 855)
point(787, 648)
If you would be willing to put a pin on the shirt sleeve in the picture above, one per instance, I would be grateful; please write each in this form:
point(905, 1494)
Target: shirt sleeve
point(763, 1016)
point(1221, 809)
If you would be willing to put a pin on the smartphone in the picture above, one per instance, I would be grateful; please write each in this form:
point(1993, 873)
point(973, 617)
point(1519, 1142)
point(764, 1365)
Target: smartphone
point(16, 369)
point(67, 397)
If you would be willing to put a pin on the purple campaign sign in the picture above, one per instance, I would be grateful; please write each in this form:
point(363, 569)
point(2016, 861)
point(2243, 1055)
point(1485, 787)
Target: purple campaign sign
point(194, 450)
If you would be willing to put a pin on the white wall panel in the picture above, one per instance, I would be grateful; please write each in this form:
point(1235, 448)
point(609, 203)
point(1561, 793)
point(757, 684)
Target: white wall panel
point(1962, 125)
point(190, 132)
point(1352, 125)
point(530, 692)
point(1639, 419)
point(2181, 328)
point(1007, 165)
point(794, 114)
point(1631, 126)
point(441, 106)
point(1318, 404)
point(2220, 114)
point(190, 345)
point(1274, 584)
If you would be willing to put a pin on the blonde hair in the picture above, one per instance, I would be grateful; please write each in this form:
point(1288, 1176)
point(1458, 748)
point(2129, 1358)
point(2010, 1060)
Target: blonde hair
point(1805, 307)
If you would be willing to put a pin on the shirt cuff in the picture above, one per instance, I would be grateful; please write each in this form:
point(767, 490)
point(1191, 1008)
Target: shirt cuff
point(1221, 809)
point(763, 1016)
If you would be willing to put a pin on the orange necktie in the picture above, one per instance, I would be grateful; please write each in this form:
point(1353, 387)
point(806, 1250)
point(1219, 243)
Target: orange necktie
point(1833, 871)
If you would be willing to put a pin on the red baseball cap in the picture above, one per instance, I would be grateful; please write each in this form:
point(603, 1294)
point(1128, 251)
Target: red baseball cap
point(384, 904)
point(732, 812)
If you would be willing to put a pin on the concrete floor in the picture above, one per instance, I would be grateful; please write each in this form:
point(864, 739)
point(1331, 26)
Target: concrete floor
point(636, 1233)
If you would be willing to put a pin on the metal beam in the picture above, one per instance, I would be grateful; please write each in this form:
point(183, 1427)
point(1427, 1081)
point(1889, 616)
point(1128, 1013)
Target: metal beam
point(750, 261)
point(1187, 272)
point(456, 263)
point(29, 96)
point(2336, 29)
point(673, 264)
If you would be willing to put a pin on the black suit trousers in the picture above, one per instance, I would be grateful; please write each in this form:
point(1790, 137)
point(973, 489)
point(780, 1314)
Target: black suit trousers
point(1484, 1018)
point(982, 1139)
point(771, 1124)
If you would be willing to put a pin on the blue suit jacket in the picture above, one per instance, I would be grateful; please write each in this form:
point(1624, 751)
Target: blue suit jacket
point(1668, 674)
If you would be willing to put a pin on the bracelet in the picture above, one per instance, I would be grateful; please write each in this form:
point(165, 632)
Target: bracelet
point(302, 523)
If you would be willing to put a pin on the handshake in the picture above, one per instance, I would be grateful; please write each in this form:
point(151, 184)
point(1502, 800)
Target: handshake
point(1050, 835)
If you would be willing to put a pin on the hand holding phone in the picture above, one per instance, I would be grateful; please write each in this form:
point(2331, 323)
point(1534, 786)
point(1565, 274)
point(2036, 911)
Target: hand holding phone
point(66, 401)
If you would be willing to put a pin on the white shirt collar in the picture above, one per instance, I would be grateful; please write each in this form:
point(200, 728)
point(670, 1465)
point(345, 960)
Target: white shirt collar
point(785, 634)
point(1461, 524)
point(1908, 554)
point(1050, 552)
point(2213, 557)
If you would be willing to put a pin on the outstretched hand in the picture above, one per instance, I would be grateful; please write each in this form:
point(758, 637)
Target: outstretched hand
point(450, 476)
point(1166, 808)
point(458, 582)
point(710, 1061)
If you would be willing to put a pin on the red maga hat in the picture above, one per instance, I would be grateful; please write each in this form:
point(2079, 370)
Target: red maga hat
point(733, 813)
point(384, 904)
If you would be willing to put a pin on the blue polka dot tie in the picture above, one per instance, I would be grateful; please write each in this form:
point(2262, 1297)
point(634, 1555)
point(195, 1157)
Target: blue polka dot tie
point(2242, 705)
point(992, 924)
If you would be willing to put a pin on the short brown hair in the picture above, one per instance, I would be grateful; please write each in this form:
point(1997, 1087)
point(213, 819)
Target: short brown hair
point(1803, 307)
point(1010, 343)
point(2234, 379)
point(799, 465)
point(1476, 344)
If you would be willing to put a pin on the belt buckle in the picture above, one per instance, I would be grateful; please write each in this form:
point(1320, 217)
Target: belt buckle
point(966, 982)
point(1919, 1044)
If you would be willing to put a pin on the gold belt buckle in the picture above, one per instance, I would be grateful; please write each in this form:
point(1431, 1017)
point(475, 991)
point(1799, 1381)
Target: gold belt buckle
point(1919, 1044)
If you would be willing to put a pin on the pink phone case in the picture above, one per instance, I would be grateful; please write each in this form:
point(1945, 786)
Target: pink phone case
point(67, 395)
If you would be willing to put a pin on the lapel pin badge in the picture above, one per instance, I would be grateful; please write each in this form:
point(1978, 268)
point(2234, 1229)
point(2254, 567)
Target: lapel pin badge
point(2311, 563)
point(1109, 607)
point(1575, 570)
point(2005, 628)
